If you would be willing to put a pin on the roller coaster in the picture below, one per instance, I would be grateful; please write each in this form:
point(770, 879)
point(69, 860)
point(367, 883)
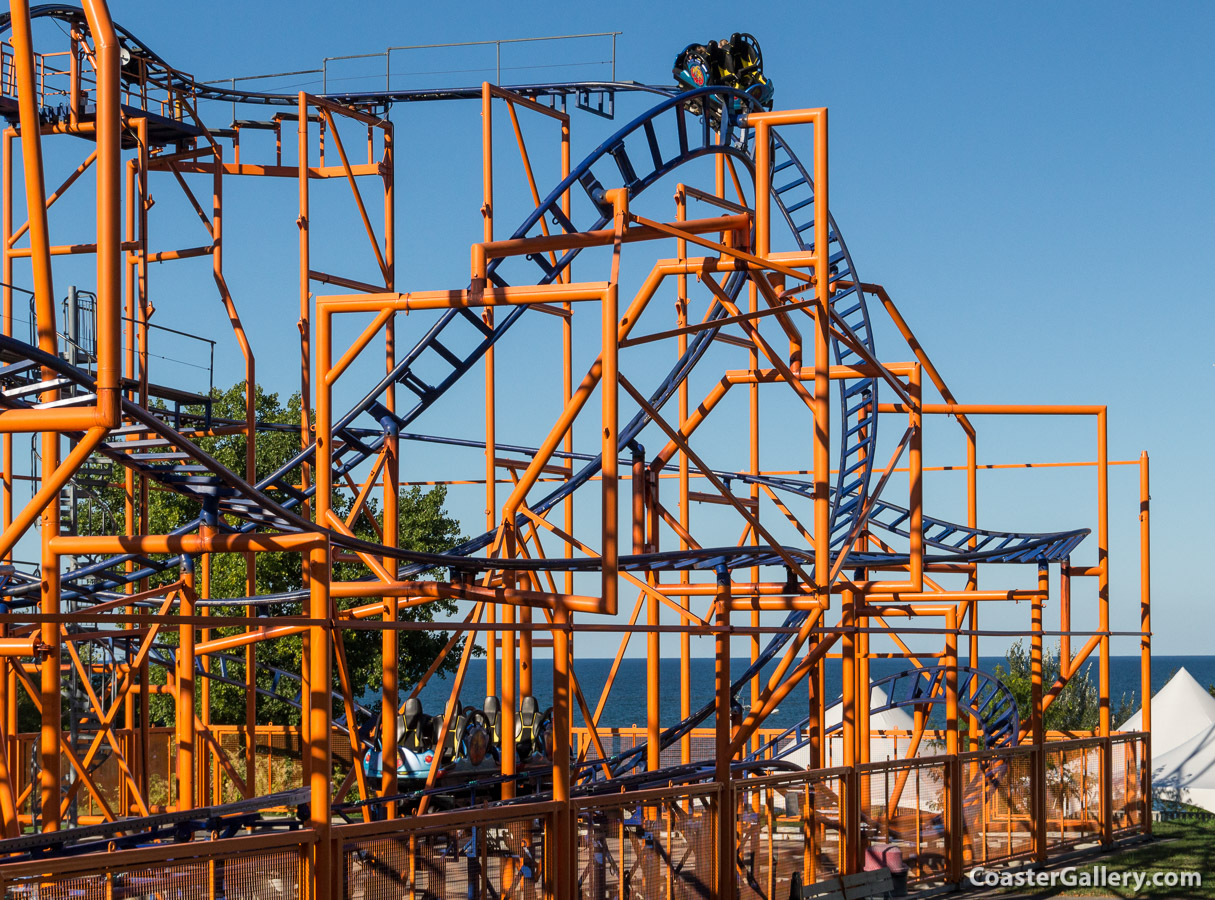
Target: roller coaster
point(369, 795)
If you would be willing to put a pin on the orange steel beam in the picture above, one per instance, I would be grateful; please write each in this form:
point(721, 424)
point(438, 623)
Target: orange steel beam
point(725, 492)
point(632, 579)
point(1145, 626)
point(1000, 409)
point(723, 751)
point(717, 323)
point(188, 544)
point(916, 348)
point(762, 124)
point(95, 700)
point(491, 396)
point(313, 173)
point(359, 507)
point(526, 632)
point(68, 250)
point(318, 710)
point(605, 237)
point(52, 484)
point(772, 695)
point(11, 239)
point(358, 197)
point(1145, 589)
point(6, 324)
point(35, 190)
point(304, 324)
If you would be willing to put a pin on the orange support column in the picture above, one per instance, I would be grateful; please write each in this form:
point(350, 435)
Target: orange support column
point(610, 388)
point(50, 775)
point(305, 287)
point(822, 365)
point(850, 854)
point(507, 717)
point(392, 486)
point(814, 725)
point(762, 123)
point(487, 316)
point(318, 716)
point(565, 843)
point(778, 285)
point(863, 691)
point(722, 738)
point(1103, 626)
point(953, 793)
point(653, 652)
point(1037, 726)
point(44, 294)
point(6, 318)
point(972, 581)
point(1065, 622)
point(1145, 639)
point(185, 692)
point(681, 347)
point(317, 673)
point(951, 682)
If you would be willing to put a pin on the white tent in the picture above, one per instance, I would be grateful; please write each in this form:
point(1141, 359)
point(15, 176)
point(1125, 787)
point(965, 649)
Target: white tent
point(1183, 741)
point(1181, 710)
point(1187, 773)
point(881, 747)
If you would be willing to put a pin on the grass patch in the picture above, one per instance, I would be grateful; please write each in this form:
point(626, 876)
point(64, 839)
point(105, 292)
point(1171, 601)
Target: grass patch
point(1178, 846)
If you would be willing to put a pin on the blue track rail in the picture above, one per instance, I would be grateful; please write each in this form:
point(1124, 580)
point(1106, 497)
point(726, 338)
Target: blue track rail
point(982, 696)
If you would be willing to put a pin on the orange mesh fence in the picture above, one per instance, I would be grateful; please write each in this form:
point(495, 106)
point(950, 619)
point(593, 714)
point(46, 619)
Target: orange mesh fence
point(904, 804)
point(1129, 770)
point(789, 828)
point(789, 831)
point(997, 805)
point(268, 867)
point(657, 843)
point(468, 855)
point(618, 740)
point(1073, 793)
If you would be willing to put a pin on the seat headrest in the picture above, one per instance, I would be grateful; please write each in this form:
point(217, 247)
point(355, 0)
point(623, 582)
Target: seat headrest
point(528, 709)
point(413, 712)
point(491, 707)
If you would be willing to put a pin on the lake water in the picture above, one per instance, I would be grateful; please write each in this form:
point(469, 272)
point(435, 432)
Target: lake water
point(627, 702)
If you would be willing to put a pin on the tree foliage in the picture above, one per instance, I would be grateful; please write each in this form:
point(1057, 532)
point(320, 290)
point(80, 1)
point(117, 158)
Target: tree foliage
point(1077, 708)
point(423, 525)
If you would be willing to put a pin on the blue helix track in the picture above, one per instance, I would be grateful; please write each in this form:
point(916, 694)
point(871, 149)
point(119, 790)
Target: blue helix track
point(631, 158)
point(986, 699)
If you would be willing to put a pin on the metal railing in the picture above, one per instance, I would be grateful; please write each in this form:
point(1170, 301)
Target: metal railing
point(64, 89)
point(265, 866)
point(468, 854)
point(386, 55)
point(940, 815)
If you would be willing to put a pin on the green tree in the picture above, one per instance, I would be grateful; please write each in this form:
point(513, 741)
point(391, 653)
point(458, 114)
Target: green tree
point(423, 525)
point(1077, 708)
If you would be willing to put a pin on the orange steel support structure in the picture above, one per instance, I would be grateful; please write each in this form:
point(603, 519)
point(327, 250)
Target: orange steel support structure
point(828, 553)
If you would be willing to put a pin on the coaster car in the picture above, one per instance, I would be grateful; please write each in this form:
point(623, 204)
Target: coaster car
point(736, 63)
point(415, 745)
point(473, 748)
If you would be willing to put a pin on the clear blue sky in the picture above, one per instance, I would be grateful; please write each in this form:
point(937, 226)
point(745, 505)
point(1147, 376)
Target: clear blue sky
point(1032, 182)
